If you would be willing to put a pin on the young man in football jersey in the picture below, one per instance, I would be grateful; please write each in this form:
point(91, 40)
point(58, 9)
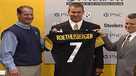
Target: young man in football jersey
point(76, 48)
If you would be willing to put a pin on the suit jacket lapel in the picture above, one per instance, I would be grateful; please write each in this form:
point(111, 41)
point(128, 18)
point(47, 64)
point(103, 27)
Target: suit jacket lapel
point(119, 46)
point(83, 26)
point(120, 42)
point(67, 27)
point(124, 51)
point(131, 46)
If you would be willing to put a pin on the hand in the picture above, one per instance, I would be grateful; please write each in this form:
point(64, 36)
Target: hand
point(14, 72)
point(54, 30)
point(57, 30)
point(99, 71)
point(102, 32)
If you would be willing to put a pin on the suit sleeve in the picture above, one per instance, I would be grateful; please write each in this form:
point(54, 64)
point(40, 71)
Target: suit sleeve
point(109, 45)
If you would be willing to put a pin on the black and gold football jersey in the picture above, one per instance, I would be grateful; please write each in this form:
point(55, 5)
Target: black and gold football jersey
point(73, 50)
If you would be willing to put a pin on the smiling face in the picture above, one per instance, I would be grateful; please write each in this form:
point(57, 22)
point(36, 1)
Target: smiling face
point(76, 12)
point(25, 15)
point(130, 25)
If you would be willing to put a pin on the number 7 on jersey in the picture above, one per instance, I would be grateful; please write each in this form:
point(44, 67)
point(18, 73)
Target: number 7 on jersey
point(72, 56)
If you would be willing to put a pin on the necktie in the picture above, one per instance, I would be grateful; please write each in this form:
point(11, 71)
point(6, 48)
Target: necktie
point(75, 27)
point(126, 41)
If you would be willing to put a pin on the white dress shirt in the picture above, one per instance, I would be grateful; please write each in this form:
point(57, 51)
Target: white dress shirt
point(73, 23)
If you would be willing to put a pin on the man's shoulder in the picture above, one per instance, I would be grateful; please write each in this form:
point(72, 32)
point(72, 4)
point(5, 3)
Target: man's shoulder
point(60, 25)
point(90, 24)
point(34, 27)
point(10, 28)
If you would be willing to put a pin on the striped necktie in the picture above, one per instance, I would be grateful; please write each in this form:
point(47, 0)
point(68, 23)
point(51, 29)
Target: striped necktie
point(126, 40)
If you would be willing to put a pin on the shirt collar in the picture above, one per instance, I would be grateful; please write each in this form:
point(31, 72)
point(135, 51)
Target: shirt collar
point(73, 23)
point(132, 35)
point(22, 25)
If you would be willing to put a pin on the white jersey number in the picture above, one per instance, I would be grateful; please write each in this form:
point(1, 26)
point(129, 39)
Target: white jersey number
point(72, 56)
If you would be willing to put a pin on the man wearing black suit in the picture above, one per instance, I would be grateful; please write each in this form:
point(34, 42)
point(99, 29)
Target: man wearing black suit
point(77, 47)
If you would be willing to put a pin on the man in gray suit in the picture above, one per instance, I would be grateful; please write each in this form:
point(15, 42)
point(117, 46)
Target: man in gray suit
point(125, 47)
